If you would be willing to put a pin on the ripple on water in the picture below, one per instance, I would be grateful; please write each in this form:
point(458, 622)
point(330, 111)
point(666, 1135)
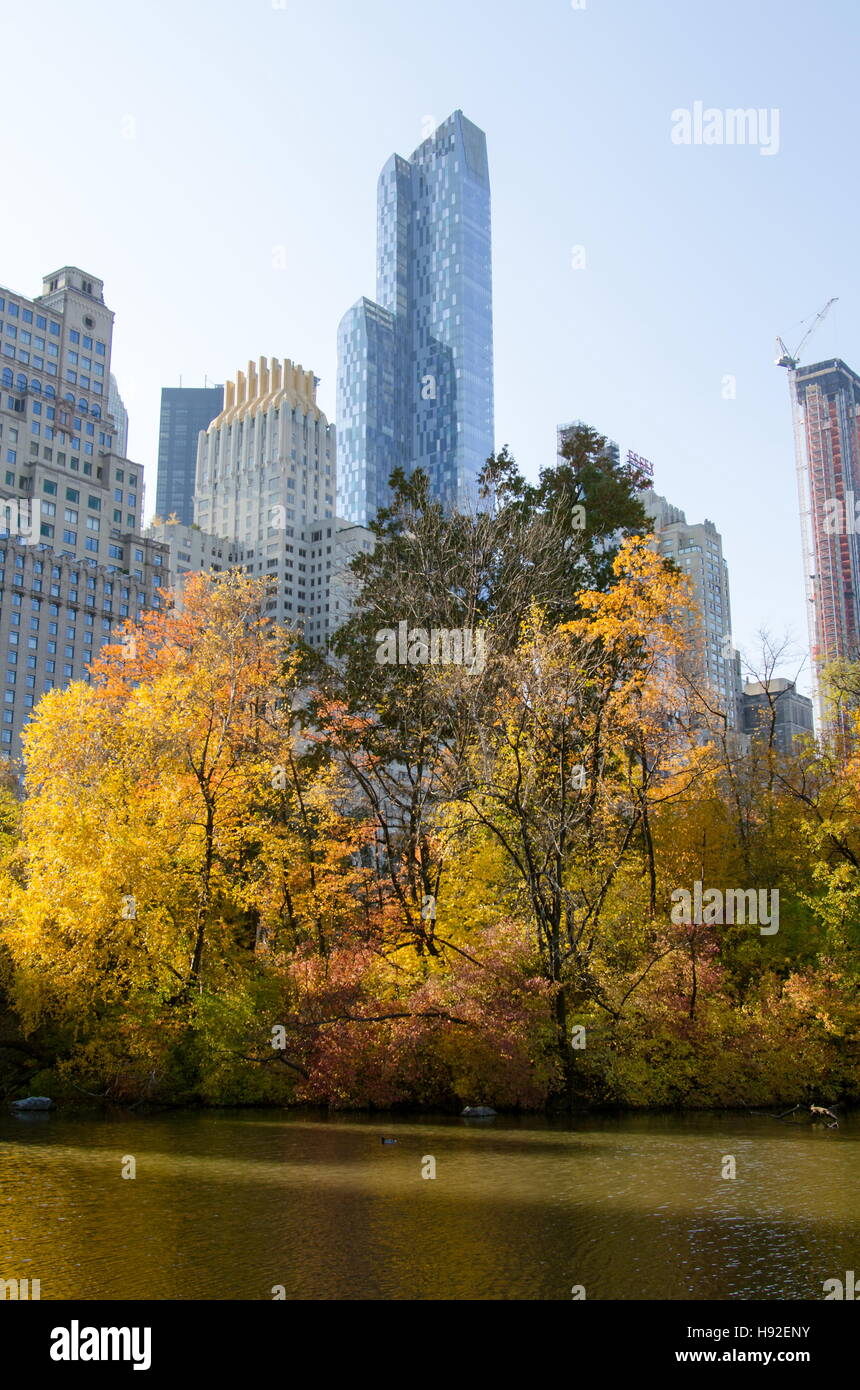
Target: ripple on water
point(229, 1205)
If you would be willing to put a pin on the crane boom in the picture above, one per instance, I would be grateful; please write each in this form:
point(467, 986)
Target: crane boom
point(818, 320)
point(792, 359)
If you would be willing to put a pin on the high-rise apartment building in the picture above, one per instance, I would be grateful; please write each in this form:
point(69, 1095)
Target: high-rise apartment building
point(697, 550)
point(415, 368)
point(778, 702)
point(826, 399)
point(266, 483)
point(119, 415)
point(185, 411)
point(73, 564)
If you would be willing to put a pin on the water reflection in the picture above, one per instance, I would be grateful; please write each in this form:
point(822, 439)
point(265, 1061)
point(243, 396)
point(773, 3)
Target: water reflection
point(229, 1205)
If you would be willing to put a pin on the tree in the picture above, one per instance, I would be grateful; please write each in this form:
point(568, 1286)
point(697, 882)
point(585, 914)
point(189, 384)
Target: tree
point(156, 849)
point(565, 760)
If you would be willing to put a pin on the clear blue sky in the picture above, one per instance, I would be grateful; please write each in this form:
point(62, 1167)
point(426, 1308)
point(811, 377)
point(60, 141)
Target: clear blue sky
point(260, 126)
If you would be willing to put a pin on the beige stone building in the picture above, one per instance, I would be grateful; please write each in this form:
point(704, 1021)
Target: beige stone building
point(73, 562)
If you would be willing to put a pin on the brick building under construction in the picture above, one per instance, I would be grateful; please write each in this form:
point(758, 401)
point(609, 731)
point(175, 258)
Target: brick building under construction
point(826, 398)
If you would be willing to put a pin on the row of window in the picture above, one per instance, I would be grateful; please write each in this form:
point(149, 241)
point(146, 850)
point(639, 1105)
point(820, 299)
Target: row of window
point(25, 315)
point(16, 311)
point(47, 452)
point(36, 388)
point(28, 359)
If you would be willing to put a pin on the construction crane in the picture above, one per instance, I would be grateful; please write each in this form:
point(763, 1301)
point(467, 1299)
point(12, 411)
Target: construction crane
point(792, 359)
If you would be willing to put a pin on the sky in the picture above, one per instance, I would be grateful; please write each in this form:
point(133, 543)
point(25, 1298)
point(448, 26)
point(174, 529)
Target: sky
point(216, 165)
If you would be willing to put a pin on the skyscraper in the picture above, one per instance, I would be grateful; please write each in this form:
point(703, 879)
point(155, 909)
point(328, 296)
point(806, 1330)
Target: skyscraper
point(697, 550)
point(73, 564)
point(415, 369)
point(826, 399)
point(266, 484)
point(119, 415)
point(185, 411)
point(778, 702)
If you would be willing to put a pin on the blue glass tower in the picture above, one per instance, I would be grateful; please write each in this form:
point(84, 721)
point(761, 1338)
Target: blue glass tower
point(415, 369)
point(185, 411)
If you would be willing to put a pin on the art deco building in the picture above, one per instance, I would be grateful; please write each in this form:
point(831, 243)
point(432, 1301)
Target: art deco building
point(266, 480)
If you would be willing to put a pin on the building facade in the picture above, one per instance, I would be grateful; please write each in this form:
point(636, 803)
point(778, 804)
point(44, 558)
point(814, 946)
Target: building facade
point(119, 415)
point(324, 552)
point(697, 550)
point(192, 551)
point(415, 368)
point(266, 485)
point(777, 702)
point(826, 398)
point(185, 411)
point(73, 562)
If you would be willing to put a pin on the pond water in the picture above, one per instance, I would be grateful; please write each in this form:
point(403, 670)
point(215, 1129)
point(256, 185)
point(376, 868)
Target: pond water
point(236, 1204)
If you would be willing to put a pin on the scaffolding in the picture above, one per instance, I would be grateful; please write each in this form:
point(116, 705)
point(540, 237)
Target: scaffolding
point(824, 405)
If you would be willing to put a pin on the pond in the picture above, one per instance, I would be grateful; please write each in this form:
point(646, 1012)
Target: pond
point(255, 1205)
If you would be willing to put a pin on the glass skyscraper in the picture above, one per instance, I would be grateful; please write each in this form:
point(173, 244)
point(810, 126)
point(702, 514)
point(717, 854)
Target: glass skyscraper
point(415, 369)
point(185, 411)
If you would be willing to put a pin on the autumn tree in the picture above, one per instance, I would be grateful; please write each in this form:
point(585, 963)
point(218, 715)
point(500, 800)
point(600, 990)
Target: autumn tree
point(566, 760)
point(165, 829)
